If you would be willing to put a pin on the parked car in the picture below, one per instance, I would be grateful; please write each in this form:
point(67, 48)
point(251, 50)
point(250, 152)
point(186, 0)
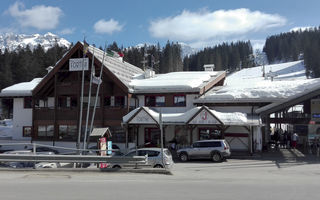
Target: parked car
point(24, 164)
point(45, 149)
point(47, 165)
point(154, 158)
point(216, 150)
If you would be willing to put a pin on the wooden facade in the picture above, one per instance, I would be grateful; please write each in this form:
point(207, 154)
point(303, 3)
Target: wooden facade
point(59, 120)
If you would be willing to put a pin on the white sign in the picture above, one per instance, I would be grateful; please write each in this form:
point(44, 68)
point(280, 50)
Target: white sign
point(142, 118)
point(76, 64)
point(96, 80)
point(204, 117)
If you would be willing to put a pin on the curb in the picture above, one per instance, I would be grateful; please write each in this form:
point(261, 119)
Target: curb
point(106, 170)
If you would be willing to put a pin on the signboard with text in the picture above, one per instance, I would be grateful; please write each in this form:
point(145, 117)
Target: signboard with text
point(78, 64)
point(204, 117)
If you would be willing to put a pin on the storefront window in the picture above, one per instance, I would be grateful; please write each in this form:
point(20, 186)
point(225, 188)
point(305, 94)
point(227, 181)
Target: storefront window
point(209, 133)
point(67, 132)
point(45, 131)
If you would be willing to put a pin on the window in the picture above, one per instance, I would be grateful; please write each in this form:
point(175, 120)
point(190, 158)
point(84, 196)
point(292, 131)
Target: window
point(27, 102)
point(210, 144)
point(27, 131)
point(179, 100)
point(92, 101)
point(119, 101)
point(107, 101)
point(41, 103)
point(132, 153)
point(152, 153)
point(209, 133)
point(67, 132)
point(45, 131)
point(67, 102)
point(155, 101)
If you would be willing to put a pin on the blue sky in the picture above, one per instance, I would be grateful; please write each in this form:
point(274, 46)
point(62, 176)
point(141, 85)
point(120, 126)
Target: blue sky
point(198, 23)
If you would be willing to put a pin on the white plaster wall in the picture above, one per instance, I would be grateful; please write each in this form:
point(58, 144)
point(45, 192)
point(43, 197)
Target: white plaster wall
point(189, 104)
point(21, 117)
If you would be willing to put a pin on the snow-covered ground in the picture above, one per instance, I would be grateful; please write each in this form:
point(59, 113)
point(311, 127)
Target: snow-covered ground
point(248, 85)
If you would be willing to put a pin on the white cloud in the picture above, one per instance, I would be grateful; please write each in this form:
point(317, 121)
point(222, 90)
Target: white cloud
point(204, 26)
point(301, 28)
point(109, 27)
point(40, 17)
point(67, 31)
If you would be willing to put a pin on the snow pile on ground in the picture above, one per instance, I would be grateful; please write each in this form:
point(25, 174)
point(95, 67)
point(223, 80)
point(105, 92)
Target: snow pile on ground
point(248, 85)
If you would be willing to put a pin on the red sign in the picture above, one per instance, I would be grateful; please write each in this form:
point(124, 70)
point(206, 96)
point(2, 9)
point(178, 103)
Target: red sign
point(103, 152)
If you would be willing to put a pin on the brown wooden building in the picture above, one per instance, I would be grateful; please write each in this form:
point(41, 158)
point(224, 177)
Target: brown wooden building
point(56, 99)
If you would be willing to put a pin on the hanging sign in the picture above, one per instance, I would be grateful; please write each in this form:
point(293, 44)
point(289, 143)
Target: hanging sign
point(76, 64)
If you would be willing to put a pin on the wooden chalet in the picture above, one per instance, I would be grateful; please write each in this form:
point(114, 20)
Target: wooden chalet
point(56, 99)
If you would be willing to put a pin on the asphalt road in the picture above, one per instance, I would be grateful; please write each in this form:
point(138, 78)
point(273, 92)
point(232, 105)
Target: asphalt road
point(235, 179)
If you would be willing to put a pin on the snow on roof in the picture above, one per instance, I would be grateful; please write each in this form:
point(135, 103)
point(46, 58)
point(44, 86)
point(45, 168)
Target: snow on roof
point(20, 89)
point(227, 118)
point(248, 85)
point(122, 70)
point(174, 82)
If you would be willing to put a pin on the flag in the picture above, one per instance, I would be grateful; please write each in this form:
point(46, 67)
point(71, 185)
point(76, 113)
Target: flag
point(85, 47)
point(114, 54)
point(120, 54)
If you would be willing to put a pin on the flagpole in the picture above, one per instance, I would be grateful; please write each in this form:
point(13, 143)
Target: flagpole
point(81, 100)
point(89, 102)
point(97, 93)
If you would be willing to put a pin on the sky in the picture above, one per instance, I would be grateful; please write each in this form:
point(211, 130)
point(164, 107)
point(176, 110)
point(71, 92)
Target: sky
point(197, 23)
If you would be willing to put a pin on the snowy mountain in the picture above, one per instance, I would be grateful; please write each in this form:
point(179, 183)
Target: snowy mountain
point(187, 50)
point(13, 41)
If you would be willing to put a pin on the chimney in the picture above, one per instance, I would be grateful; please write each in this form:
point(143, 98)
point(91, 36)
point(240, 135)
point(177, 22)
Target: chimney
point(148, 73)
point(208, 67)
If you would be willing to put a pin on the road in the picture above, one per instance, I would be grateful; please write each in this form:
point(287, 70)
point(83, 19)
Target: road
point(235, 179)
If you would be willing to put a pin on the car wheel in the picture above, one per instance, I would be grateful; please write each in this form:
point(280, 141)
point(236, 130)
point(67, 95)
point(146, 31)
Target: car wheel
point(116, 167)
point(183, 157)
point(158, 166)
point(216, 157)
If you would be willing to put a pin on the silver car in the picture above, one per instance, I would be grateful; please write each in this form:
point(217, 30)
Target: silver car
point(216, 150)
point(154, 158)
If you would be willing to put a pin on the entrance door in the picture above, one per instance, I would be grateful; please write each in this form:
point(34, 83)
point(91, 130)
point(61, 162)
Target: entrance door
point(152, 137)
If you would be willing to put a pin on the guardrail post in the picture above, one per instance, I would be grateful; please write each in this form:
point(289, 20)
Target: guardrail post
point(34, 149)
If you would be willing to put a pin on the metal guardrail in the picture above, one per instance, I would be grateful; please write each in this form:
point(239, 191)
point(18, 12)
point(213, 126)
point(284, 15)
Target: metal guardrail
point(72, 158)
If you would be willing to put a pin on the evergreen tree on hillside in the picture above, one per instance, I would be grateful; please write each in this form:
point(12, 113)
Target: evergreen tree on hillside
point(224, 56)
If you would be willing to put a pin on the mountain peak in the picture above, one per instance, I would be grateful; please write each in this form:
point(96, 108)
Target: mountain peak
point(12, 41)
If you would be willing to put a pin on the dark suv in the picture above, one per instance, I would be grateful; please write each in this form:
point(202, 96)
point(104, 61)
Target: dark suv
point(216, 150)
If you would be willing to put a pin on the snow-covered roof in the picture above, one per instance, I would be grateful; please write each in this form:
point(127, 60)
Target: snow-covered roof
point(227, 118)
point(20, 89)
point(174, 82)
point(122, 70)
point(248, 85)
